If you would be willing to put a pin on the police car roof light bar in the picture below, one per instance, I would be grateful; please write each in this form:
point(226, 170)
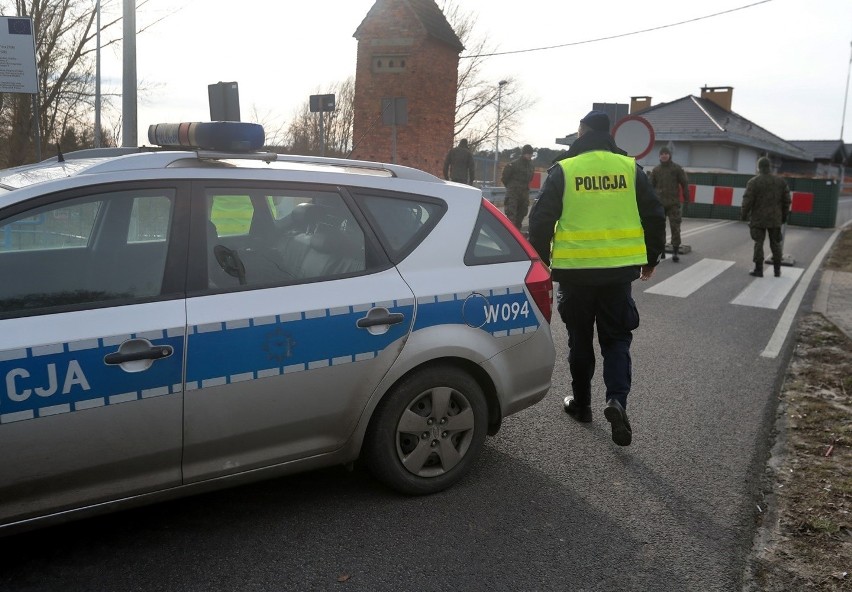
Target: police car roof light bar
point(226, 136)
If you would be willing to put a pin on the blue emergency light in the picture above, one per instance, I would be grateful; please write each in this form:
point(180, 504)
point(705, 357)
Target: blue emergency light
point(226, 136)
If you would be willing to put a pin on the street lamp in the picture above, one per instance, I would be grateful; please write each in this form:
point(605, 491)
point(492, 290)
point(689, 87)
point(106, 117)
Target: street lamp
point(500, 86)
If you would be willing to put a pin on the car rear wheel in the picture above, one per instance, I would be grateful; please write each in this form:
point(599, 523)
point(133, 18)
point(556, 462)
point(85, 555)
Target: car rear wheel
point(428, 431)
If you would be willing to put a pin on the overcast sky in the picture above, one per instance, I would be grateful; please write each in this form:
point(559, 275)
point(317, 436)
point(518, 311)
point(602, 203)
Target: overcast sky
point(788, 60)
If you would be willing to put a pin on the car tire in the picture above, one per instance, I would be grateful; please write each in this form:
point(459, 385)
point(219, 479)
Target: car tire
point(428, 431)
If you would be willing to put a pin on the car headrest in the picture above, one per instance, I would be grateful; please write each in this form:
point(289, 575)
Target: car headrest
point(327, 240)
point(306, 215)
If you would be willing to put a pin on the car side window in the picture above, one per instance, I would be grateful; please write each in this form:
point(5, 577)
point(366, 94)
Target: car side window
point(280, 237)
point(402, 222)
point(492, 242)
point(96, 250)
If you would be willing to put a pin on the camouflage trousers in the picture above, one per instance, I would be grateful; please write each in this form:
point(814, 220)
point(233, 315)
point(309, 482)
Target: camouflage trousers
point(758, 235)
point(516, 208)
point(673, 214)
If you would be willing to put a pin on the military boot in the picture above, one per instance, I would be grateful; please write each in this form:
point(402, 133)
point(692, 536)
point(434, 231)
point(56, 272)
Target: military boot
point(758, 269)
point(777, 266)
point(675, 250)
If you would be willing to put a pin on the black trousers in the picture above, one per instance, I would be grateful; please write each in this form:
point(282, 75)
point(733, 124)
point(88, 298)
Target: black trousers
point(613, 311)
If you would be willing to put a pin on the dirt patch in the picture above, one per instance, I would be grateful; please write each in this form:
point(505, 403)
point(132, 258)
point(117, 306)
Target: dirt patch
point(804, 539)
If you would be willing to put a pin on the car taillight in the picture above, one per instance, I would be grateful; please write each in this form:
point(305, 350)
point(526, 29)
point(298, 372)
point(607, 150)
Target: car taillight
point(538, 280)
point(540, 285)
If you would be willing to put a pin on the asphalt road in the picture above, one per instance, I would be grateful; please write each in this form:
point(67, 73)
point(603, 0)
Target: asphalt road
point(552, 504)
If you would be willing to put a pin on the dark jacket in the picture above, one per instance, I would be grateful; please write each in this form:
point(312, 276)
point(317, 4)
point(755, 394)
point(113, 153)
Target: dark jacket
point(548, 210)
point(459, 165)
point(766, 201)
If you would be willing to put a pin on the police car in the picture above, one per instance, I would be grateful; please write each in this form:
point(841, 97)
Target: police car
point(177, 320)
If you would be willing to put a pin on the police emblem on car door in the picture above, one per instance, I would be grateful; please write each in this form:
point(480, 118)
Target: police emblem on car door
point(294, 318)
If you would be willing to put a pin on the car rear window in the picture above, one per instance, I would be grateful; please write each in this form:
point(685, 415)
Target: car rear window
point(402, 222)
point(492, 242)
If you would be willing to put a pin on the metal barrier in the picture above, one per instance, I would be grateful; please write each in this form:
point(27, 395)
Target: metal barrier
point(719, 195)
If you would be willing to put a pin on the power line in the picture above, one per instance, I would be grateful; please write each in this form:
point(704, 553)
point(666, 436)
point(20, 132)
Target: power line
point(700, 18)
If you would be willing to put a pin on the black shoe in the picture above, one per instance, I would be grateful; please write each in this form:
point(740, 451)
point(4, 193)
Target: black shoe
point(581, 414)
point(778, 270)
point(675, 257)
point(757, 271)
point(615, 414)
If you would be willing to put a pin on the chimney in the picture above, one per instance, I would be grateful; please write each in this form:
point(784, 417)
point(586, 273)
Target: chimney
point(638, 104)
point(721, 95)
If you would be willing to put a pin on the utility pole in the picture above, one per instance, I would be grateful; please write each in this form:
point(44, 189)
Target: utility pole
point(500, 86)
point(98, 79)
point(846, 96)
point(128, 79)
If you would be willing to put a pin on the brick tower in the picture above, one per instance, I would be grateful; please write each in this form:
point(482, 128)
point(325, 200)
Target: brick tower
point(407, 50)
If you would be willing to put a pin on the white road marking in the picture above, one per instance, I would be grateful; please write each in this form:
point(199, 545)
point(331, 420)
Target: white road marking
point(769, 291)
point(684, 283)
point(705, 228)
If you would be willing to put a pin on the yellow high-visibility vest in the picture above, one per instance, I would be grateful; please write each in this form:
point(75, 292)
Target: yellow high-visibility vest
point(600, 225)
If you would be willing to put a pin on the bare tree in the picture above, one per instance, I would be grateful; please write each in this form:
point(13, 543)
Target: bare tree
point(476, 102)
point(303, 133)
point(64, 32)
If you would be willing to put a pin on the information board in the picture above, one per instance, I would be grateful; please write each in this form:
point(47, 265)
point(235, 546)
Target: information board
point(17, 55)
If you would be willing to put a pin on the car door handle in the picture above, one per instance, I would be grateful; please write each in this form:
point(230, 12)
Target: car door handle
point(157, 352)
point(375, 318)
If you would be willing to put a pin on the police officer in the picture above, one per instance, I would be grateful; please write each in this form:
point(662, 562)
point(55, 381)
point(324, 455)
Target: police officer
point(607, 228)
point(668, 179)
point(516, 178)
point(459, 165)
point(766, 203)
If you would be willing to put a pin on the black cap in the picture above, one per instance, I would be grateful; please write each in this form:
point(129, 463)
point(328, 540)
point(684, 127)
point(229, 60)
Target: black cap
point(665, 150)
point(596, 120)
point(527, 149)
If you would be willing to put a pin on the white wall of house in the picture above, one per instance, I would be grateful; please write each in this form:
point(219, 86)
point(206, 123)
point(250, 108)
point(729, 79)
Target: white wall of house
point(747, 163)
point(708, 157)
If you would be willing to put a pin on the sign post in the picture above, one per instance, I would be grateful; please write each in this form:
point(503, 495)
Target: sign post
point(322, 104)
point(18, 71)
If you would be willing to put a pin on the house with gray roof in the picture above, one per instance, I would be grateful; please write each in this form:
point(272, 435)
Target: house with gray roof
point(705, 135)
point(830, 158)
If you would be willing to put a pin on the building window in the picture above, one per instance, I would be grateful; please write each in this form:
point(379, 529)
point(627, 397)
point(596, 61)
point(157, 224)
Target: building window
point(389, 64)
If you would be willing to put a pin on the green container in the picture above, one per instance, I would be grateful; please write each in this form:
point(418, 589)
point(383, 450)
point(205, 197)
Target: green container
point(823, 215)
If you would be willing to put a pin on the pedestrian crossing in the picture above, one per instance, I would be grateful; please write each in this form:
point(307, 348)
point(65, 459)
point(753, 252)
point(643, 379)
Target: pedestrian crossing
point(691, 279)
point(766, 292)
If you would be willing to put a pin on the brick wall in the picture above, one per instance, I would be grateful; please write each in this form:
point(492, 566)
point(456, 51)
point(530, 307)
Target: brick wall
point(428, 82)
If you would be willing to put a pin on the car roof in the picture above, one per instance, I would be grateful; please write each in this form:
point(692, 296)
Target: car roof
point(90, 166)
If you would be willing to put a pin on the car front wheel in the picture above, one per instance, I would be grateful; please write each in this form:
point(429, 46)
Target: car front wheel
point(428, 431)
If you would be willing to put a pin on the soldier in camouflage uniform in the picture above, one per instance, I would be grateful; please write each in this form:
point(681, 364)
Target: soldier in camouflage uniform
point(516, 177)
point(666, 179)
point(766, 203)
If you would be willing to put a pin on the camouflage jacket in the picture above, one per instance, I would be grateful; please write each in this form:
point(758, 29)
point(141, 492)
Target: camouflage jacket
point(665, 179)
point(517, 176)
point(766, 201)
